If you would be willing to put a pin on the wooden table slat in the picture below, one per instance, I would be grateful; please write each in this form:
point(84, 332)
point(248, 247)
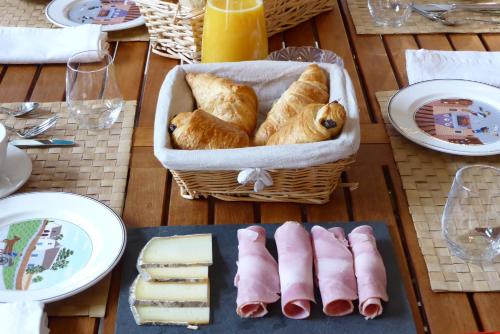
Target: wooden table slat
point(375, 68)
point(16, 82)
point(397, 46)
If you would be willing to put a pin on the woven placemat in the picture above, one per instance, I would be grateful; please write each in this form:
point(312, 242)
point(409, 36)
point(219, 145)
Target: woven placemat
point(416, 24)
point(31, 13)
point(427, 176)
point(96, 167)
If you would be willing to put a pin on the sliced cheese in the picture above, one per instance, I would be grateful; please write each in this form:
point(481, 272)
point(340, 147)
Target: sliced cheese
point(175, 274)
point(177, 251)
point(152, 315)
point(165, 291)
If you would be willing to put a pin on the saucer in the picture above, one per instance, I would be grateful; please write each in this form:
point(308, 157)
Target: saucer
point(17, 171)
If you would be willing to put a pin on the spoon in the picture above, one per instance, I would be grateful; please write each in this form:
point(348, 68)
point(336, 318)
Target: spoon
point(25, 108)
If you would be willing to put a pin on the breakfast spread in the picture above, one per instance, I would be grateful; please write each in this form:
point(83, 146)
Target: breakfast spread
point(257, 277)
point(227, 114)
point(334, 270)
point(173, 286)
point(295, 259)
point(370, 272)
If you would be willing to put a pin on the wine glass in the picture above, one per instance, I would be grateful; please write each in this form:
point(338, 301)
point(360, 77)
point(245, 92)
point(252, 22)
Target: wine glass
point(234, 30)
point(471, 218)
point(92, 93)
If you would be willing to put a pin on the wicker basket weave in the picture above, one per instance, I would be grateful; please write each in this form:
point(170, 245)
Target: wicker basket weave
point(312, 185)
point(175, 31)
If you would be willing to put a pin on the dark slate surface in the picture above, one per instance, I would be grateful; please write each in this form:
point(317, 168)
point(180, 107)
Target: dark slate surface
point(397, 317)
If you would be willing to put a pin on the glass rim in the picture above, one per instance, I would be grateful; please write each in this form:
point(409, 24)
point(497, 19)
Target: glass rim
point(458, 175)
point(257, 4)
point(105, 55)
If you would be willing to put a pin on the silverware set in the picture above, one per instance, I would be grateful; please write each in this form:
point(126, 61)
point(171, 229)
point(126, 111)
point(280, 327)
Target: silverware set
point(33, 131)
point(457, 14)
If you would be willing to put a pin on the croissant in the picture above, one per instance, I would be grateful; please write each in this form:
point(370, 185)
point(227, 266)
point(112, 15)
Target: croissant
point(223, 98)
point(317, 122)
point(200, 130)
point(311, 87)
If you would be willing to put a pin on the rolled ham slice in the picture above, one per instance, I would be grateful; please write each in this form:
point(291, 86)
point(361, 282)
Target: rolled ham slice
point(370, 272)
point(334, 269)
point(257, 277)
point(295, 261)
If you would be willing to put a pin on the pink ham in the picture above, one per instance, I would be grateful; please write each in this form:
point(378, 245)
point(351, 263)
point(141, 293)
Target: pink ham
point(334, 268)
point(257, 278)
point(370, 271)
point(295, 269)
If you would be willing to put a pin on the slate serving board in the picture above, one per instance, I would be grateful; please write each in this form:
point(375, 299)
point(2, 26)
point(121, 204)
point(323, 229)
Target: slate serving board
point(396, 318)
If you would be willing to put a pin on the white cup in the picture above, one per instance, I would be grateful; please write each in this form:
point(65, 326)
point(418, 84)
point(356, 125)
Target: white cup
point(4, 140)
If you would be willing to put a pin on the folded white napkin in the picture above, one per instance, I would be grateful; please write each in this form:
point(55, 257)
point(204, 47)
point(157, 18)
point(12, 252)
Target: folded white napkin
point(25, 317)
point(479, 66)
point(21, 45)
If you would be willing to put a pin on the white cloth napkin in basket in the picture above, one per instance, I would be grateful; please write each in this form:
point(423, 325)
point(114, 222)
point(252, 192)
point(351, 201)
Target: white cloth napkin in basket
point(20, 45)
point(23, 317)
point(481, 66)
point(269, 79)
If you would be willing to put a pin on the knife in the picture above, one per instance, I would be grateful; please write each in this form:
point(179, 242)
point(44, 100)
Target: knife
point(41, 142)
point(443, 7)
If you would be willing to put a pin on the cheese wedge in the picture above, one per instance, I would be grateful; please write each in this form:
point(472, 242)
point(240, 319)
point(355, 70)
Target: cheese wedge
point(170, 303)
point(179, 258)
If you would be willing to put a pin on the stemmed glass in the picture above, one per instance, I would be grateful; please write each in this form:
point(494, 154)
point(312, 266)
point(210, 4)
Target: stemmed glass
point(92, 93)
point(471, 219)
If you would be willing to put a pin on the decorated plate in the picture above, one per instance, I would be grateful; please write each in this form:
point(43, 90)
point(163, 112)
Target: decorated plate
point(453, 116)
point(54, 245)
point(112, 14)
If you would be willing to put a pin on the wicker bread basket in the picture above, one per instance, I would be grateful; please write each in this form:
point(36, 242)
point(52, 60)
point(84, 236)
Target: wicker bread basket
point(175, 30)
point(305, 173)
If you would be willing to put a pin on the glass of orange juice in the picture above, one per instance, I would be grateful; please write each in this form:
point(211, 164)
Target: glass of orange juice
point(234, 30)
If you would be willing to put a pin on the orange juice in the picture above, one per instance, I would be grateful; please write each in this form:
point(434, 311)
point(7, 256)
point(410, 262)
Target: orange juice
point(234, 30)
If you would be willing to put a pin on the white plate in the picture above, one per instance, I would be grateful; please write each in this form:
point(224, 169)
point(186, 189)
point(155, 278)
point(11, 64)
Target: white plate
point(117, 15)
point(78, 241)
point(453, 116)
point(17, 171)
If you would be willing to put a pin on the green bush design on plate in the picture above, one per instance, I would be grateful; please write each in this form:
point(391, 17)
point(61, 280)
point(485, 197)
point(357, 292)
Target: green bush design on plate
point(62, 259)
point(24, 230)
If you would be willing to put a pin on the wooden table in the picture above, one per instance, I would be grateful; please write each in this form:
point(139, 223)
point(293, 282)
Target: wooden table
point(375, 63)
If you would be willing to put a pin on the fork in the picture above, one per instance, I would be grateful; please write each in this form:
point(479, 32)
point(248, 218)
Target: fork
point(36, 130)
point(433, 16)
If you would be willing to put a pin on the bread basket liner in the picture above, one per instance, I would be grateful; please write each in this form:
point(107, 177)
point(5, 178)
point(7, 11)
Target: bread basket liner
point(269, 79)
